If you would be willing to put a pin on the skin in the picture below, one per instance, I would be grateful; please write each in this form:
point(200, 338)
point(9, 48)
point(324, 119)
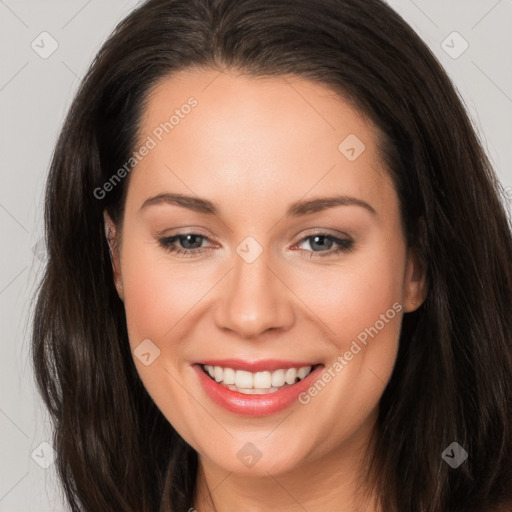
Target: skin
point(254, 146)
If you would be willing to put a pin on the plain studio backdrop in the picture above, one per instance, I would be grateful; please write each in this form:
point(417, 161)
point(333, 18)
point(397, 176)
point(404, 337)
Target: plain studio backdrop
point(45, 50)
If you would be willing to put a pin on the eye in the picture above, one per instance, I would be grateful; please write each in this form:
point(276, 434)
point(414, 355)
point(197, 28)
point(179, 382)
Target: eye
point(191, 243)
point(325, 243)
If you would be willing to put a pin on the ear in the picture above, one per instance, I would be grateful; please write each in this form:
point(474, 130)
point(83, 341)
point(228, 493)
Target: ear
point(110, 235)
point(415, 284)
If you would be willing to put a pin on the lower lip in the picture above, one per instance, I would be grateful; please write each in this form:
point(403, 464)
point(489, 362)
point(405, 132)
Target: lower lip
point(254, 405)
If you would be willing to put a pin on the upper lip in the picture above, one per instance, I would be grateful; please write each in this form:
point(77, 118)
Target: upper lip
point(255, 366)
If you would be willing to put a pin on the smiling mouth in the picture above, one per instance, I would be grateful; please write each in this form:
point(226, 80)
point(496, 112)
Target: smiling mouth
point(257, 383)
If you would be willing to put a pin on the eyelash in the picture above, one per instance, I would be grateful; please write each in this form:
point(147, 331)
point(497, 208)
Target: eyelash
point(344, 245)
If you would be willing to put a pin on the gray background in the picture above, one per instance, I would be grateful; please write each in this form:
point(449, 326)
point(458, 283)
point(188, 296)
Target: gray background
point(35, 93)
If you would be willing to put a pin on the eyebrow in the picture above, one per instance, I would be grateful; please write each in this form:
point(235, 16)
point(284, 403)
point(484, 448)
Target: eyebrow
point(297, 209)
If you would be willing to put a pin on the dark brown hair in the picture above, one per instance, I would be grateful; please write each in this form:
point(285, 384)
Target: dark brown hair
point(453, 376)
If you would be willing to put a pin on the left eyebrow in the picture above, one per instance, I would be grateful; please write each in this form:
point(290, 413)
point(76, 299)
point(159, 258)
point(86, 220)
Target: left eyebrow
point(319, 204)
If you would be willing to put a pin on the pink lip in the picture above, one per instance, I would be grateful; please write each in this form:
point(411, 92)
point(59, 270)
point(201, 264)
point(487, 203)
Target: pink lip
point(255, 366)
point(254, 405)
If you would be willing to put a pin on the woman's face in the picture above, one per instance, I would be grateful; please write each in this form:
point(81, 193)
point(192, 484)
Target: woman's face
point(303, 263)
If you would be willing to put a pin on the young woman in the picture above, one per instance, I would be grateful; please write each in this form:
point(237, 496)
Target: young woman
point(279, 271)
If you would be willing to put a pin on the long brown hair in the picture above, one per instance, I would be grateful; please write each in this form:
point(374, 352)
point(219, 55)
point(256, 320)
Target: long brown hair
point(453, 376)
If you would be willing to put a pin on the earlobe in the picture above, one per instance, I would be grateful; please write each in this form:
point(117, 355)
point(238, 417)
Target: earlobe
point(110, 235)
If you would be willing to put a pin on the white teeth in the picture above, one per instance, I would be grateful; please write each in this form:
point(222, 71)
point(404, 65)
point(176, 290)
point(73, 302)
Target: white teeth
point(243, 379)
point(259, 382)
point(262, 380)
point(290, 375)
point(278, 378)
point(228, 376)
point(303, 372)
point(252, 391)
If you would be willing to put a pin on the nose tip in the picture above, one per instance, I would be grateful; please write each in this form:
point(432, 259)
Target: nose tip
point(254, 301)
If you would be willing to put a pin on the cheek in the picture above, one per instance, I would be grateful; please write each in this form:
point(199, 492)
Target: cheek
point(158, 297)
point(353, 295)
point(361, 304)
point(157, 293)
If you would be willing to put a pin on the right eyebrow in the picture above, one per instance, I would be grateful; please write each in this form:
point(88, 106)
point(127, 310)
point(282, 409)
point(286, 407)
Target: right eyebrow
point(192, 203)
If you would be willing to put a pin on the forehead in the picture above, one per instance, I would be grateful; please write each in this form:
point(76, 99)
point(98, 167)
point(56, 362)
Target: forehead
point(308, 108)
point(262, 135)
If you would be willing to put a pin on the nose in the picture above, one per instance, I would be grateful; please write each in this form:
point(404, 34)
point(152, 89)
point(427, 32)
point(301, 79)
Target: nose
point(255, 299)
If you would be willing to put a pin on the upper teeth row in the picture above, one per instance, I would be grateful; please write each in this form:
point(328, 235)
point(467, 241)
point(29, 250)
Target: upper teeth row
point(258, 380)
